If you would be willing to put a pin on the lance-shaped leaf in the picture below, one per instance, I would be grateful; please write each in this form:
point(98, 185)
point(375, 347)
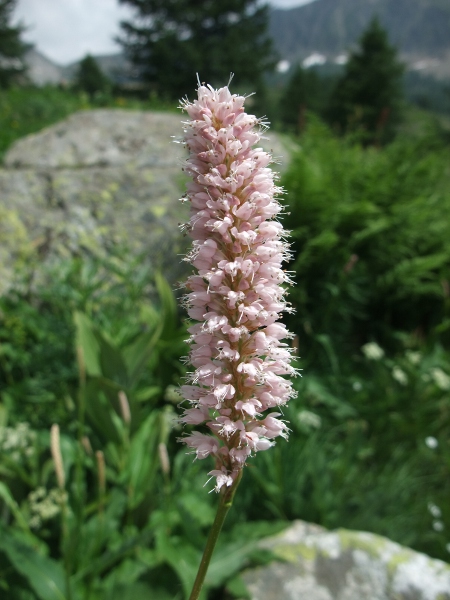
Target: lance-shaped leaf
point(45, 576)
point(142, 460)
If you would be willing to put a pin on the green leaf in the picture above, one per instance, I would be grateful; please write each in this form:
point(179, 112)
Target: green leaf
point(108, 559)
point(112, 363)
point(87, 341)
point(237, 588)
point(45, 576)
point(69, 451)
point(147, 393)
point(101, 357)
point(138, 353)
point(8, 499)
point(196, 509)
point(3, 415)
point(168, 304)
point(417, 275)
point(321, 395)
point(373, 228)
point(230, 558)
point(138, 591)
point(444, 326)
point(99, 411)
point(142, 458)
point(183, 558)
point(326, 342)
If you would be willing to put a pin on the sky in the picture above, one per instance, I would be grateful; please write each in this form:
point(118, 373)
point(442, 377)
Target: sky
point(66, 30)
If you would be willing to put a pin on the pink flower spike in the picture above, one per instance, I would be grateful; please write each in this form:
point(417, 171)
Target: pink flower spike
point(236, 293)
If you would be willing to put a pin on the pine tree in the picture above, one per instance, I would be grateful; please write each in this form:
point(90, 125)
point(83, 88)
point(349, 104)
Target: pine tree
point(305, 91)
point(90, 78)
point(12, 48)
point(172, 40)
point(368, 95)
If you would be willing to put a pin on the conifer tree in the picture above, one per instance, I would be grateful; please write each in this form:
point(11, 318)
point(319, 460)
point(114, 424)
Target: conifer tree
point(368, 95)
point(12, 48)
point(305, 91)
point(169, 41)
point(90, 78)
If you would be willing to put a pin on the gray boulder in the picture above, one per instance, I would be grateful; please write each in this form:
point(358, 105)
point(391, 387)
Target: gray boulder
point(97, 180)
point(102, 138)
point(316, 564)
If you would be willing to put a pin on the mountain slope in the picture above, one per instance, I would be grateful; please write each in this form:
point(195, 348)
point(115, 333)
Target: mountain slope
point(420, 28)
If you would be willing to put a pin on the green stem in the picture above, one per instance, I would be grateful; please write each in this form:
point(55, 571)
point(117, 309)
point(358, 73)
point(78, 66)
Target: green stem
point(65, 539)
point(226, 501)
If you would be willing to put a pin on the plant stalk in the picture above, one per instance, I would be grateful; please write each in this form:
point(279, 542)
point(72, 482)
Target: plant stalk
point(225, 503)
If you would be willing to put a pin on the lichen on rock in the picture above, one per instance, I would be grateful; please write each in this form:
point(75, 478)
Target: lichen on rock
point(317, 564)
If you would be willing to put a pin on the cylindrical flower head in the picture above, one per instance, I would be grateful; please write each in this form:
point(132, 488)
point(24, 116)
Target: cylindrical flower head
point(236, 293)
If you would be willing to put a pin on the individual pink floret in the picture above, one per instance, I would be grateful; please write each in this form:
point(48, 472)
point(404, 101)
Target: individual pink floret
point(236, 293)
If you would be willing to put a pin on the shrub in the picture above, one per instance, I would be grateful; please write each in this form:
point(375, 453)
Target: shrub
point(371, 243)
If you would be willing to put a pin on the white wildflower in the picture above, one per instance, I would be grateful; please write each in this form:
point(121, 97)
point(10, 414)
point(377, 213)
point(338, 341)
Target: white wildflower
point(434, 510)
point(43, 506)
point(399, 375)
point(37, 495)
point(431, 442)
point(310, 419)
point(441, 379)
point(438, 526)
point(413, 357)
point(372, 351)
point(17, 441)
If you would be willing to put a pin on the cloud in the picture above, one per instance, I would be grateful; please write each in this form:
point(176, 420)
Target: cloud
point(66, 30)
point(289, 3)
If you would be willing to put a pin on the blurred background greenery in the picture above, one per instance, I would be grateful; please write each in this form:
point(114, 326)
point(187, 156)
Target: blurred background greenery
point(96, 349)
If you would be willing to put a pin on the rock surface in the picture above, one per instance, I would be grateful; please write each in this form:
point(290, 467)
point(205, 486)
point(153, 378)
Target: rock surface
point(101, 138)
point(98, 179)
point(316, 564)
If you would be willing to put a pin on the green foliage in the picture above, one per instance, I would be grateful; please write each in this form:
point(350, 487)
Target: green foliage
point(28, 109)
point(90, 78)
point(371, 243)
point(368, 450)
point(45, 576)
point(367, 96)
point(37, 357)
point(12, 48)
point(128, 518)
point(305, 90)
point(36, 373)
point(170, 41)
